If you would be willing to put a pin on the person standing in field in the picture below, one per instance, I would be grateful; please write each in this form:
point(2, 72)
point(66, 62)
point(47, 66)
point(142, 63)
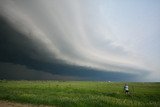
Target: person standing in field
point(126, 89)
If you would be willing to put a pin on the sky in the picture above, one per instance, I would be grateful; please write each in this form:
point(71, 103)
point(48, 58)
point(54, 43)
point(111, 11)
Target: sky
point(115, 40)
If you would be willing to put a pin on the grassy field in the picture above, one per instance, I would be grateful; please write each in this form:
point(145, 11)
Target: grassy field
point(81, 94)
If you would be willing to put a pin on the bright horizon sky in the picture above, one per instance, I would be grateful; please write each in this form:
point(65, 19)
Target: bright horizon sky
point(136, 23)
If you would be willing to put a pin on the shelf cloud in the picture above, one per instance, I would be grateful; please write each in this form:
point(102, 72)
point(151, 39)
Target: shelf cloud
point(73, 39)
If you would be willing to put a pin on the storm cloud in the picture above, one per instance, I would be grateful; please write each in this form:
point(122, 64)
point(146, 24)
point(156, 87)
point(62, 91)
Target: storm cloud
point(66, 40)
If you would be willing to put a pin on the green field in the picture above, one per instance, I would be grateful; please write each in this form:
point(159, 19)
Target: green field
point(81, 93)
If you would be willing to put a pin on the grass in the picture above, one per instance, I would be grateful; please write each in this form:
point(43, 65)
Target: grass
point(81, 93)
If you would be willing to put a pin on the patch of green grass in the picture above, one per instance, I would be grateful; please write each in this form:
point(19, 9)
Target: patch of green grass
point(81, 93)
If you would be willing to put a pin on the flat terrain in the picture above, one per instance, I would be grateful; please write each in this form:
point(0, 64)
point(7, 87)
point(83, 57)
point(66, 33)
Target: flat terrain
point(80, 93)
point(13, 104)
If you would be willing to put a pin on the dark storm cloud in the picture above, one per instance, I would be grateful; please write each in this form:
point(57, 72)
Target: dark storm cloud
point(67, 31)
point(35, 41)
point(15, 46)
point(12, 71)
point(21, 58)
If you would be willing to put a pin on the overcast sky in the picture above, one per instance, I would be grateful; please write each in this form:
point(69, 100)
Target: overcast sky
point(115, 36)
